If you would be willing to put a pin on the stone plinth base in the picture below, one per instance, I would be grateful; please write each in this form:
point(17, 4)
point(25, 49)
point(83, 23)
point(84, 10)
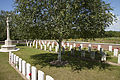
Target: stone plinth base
point(7, 48)
point(8, 42)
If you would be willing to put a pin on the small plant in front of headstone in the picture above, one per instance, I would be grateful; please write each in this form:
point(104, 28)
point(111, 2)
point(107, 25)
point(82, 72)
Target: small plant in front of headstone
point(38, 47)
point(67, 48)
point(42, 47)
point(30, 75)
point(84, 48)
point(33, 46)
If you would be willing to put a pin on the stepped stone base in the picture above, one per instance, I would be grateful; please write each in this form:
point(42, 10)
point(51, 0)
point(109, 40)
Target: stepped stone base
point(8, 46)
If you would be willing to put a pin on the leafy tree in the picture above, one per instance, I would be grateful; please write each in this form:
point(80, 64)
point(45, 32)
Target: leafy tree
point(61, 19)
point(112, 34)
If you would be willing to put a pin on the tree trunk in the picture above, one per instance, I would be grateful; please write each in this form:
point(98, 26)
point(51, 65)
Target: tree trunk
point(59, 54)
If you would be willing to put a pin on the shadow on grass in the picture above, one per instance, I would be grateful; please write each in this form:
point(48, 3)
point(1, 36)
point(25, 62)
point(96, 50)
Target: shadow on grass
point(74, 61)
point(18, 44)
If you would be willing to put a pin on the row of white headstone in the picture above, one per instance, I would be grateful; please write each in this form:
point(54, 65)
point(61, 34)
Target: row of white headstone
point(30, 72)
point(68, 44)
point(92, 55)
point(45, 44)
point(110, 49)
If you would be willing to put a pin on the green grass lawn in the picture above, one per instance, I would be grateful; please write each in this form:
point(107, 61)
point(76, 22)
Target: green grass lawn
point(112, 59)
point(76, 69)
point(6, 71)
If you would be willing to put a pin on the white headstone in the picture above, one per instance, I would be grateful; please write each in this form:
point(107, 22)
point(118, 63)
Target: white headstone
point(74, 45)
point(40, 75)
point(14, 59)
point(45, 42)
point(23, 67)
point(67, 44)
point(83, 54)
point(89, 49)
point(50, 48)
point(45, 47)
point(41, 47)
point(99, 46)
point(101, 50)
point(30, 44)
point(28, 70)
point(92, 55)
point(70, 47)
point(36, 44)
point(103, 58)
point(56, 48)
point(89, 45)
point(17, 61)
point(118, 58)
point(62, 43)
point(72, 51)
point(39, 43)
point(110, 48)
point(115, 52)
point(10, 54)
point(20, 64)
point(49, 77)
point(48, 44)
point(52, 44)
point(34, 73)
point(81, 46)
point(57, 45)
point(64, 46)
point(27, 43)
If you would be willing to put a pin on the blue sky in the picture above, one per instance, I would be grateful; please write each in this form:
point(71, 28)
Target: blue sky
point(7, 5)
point(115, 4)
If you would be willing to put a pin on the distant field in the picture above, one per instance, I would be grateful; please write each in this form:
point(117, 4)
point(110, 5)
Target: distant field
point(76, 69)
point(115, 40)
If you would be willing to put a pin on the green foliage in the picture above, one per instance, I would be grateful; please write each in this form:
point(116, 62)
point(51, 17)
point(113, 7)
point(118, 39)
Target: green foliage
point(61, 18)
point(112, 34)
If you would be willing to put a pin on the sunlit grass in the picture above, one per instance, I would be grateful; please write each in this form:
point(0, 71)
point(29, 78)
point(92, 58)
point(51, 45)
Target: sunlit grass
point(76, 69)
point(6, 71)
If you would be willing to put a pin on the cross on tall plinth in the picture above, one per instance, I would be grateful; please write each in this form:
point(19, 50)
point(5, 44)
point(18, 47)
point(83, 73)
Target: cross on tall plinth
point(8, 43)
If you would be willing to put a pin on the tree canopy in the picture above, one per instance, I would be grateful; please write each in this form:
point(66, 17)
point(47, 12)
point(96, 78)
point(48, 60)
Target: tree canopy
point(60, 19)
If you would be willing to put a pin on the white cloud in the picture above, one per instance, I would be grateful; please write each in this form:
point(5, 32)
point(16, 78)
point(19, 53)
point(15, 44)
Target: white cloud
point(115, 26)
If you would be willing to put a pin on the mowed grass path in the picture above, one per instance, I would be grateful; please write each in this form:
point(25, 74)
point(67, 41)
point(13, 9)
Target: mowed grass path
point(76, 69)
point(6, 71)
